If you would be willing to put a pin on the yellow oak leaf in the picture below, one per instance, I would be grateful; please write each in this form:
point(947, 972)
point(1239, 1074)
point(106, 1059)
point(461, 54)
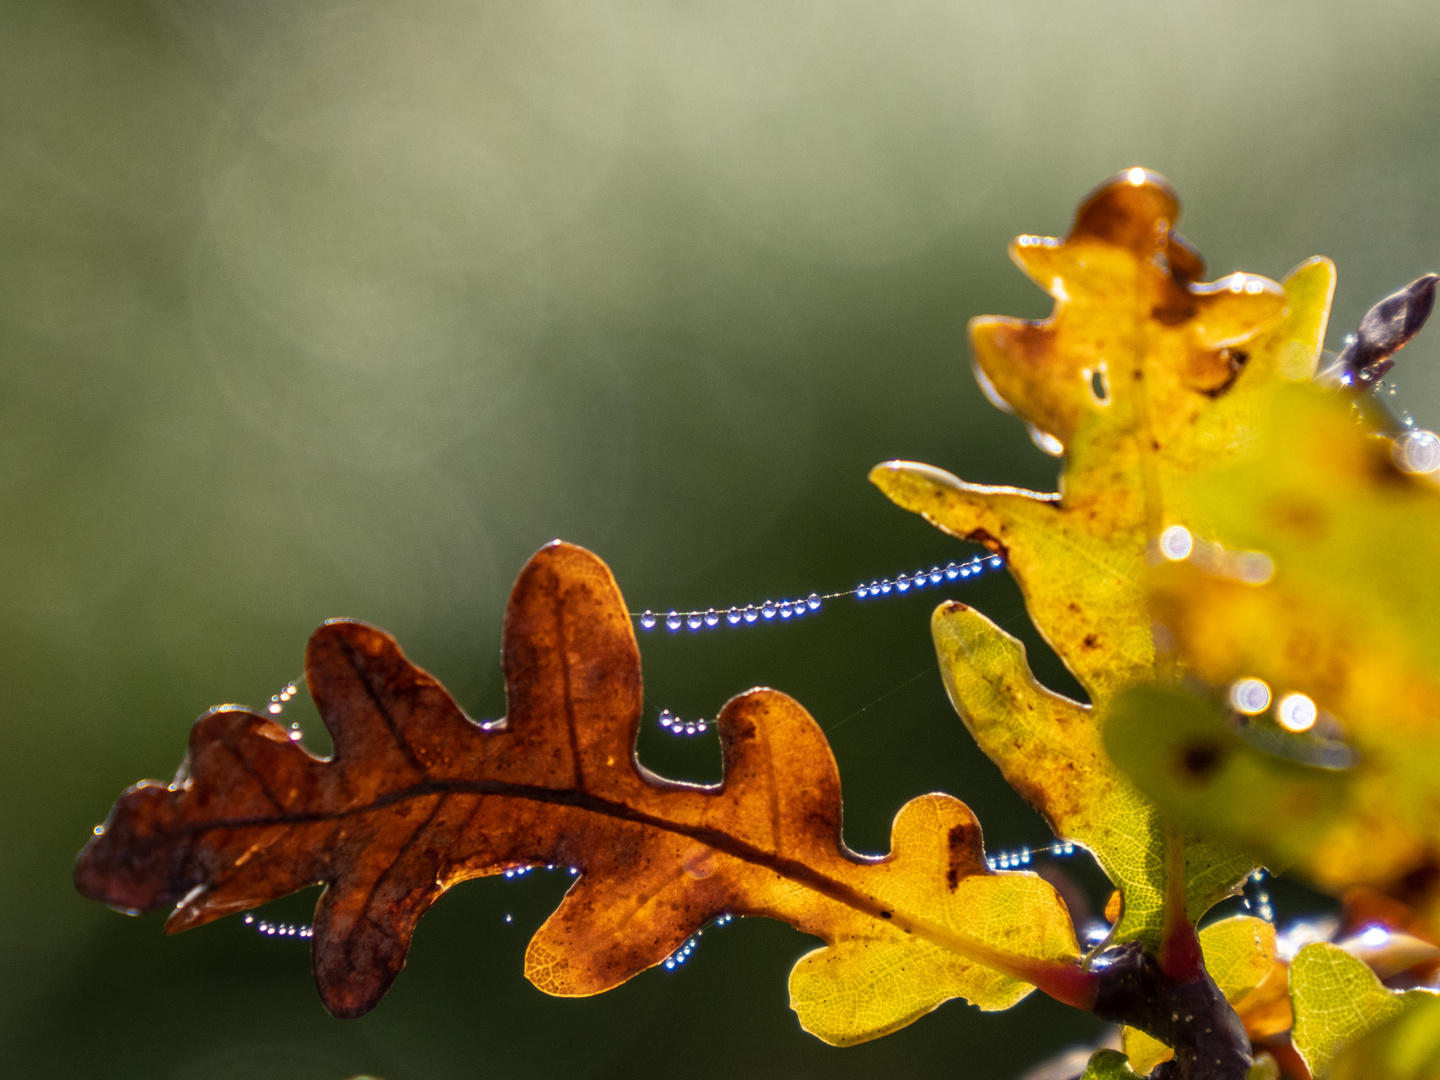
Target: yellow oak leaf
point(1338, 999)
point(1341, 643)
point(1142, 375)
point(1406, 1047)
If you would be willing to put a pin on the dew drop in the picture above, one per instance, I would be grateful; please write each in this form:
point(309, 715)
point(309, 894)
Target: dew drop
point(1297, 712)
point(1045, 442)
point(1249, 696)
point(768, 609)
point(1254, 567)
point(861, 592)
point(732, 616)
point(750, 614)
point(786, 610)
point(951, 571)
point(902, 583)
point(689, 729)
point(1176, 543)
point(648, 620)
point(700, 726)
point(673, 621)
point(694, 620)
point(712, 618)
point(813, 601)
point(275, 708)
point(1417, 451)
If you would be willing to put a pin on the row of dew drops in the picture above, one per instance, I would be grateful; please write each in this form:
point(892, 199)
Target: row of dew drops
point(1256, 898)
point(673, 724)
point(786, 610)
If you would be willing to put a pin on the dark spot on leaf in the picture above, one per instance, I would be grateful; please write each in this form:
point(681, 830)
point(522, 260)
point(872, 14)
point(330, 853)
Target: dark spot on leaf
point(1174, 310)
point(1091, 641)
point(963, 840)
point(1198, 761)
point(983, 537)
point(1234, 361)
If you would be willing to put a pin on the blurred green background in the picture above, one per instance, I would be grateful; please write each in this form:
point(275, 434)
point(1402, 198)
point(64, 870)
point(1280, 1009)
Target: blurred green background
point(320, 308)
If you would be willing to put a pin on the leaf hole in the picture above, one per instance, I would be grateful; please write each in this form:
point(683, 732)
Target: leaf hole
point(1100, 386)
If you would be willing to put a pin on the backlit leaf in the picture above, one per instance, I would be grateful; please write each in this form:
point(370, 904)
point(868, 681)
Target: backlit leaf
point(1109, 1065)
point(1143, 374)
point(1347, 621)
point(418, 797)
point(1405, 1048)
point(1338, 999)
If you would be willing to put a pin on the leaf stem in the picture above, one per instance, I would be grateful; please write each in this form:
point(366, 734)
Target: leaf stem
point(1180, 957)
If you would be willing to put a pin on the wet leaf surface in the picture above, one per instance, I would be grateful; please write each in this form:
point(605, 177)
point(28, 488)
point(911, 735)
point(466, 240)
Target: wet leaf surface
point(1142, 375)
point(417, 797)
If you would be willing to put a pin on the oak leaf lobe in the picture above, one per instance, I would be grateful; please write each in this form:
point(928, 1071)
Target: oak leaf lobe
point(417, 797)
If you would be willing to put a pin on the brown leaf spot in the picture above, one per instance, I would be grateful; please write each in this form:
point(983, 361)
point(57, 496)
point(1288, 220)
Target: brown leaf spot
point(984, 538)
point(1200, 760)
point(963, 840)
point(1225, 367)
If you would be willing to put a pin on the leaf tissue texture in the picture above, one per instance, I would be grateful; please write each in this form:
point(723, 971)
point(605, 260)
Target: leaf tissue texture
point(1142, 375)
point(418, 797)
point(1338, 999)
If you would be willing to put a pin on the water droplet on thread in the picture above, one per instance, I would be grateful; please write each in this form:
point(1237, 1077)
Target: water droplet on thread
point(1176, 543)
point(1249, 696)
point(1417, 452)
point(1297, 712)
point(648, 620)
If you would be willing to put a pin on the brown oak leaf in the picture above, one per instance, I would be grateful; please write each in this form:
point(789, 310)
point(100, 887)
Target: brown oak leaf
point(418, 797)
